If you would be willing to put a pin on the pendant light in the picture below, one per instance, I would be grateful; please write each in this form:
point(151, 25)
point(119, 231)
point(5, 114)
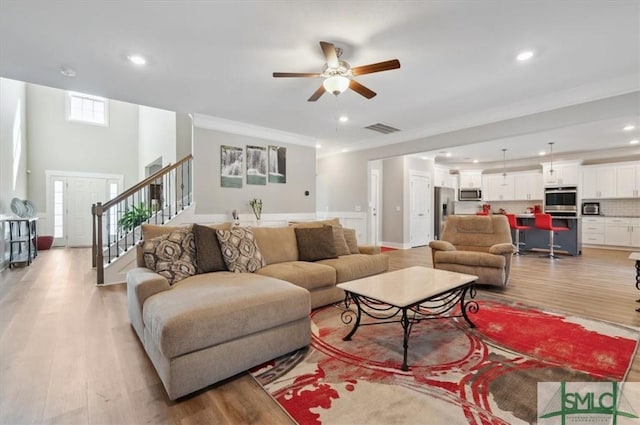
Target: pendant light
point(504, 166)
point(551, 158)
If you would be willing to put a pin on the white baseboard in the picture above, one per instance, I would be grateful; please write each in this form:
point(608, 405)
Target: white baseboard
point(396, 245)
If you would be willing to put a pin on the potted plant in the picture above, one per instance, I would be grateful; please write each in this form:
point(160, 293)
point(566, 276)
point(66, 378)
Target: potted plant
point(256, 206)
point(134, 217)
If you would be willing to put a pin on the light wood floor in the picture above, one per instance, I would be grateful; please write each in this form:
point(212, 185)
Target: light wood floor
point(69, 355)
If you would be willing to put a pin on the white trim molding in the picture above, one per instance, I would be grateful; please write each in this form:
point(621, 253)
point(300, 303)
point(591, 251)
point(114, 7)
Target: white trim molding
point(236, 127)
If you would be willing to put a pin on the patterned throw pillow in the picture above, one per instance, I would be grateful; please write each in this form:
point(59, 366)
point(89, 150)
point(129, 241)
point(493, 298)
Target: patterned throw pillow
point(240, 250)
point(172, 255)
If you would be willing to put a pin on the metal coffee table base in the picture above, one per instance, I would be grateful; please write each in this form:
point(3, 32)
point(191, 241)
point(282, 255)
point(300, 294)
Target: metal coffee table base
point(436, 307)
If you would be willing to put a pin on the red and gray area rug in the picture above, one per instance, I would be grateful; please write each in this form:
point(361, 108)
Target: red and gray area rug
point(458, 375)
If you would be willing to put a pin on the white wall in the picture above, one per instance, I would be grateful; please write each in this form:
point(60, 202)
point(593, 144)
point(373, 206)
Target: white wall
point(61, 145)
point(13, 141)
point(156, 137)
point(345, 177)
point(184, 135)
point(289, 197)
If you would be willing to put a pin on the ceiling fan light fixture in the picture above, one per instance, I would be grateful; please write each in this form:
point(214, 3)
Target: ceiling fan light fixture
point(336, 84)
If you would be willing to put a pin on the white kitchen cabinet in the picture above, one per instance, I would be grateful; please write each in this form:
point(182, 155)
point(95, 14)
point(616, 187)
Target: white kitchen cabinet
point(628, 181)
point(470, 179)
point(593, 230)
point(598, 182)
point(443, 178)
point(528, 186)
point(564, 174)
point(635, 233)
point(622, 231)
point(496, 187)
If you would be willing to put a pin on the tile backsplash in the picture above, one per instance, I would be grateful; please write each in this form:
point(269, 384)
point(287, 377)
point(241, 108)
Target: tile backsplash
point(517, 207)
point(620, 207)
point(608, 207)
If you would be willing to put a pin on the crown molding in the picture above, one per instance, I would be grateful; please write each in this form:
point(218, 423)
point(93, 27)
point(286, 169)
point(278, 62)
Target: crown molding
point(244, 129)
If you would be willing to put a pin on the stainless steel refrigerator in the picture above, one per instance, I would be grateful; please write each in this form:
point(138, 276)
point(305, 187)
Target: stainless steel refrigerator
point(444, 203)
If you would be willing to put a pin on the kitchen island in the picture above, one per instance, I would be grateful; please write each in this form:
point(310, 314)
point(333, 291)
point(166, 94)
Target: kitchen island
point(537, 239)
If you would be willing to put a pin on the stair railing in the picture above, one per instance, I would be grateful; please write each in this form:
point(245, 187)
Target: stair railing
point(156, 199)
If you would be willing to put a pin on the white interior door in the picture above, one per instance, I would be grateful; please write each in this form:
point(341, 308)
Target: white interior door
point(420, 214)
point(374, 207)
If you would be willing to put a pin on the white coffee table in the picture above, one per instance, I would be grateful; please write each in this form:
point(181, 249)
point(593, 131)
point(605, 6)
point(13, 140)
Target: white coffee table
point(415, 293)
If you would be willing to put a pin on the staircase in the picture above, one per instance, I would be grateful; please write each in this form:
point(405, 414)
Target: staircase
point(156, 200)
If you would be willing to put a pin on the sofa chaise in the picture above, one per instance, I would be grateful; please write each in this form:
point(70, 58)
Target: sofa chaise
point(212, 325)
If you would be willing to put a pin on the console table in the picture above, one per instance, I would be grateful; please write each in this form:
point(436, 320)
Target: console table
point(23, 240)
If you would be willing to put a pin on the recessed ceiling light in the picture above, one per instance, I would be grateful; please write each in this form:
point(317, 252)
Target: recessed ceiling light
point(634, 142)
point(542, 153)
point(67, 72)
point(475, 161)
point(137, 59)
point(525, 55)
point(345, 150)
point(629, 127)
point(448, 154)
point(344, 118)
point(318, 146)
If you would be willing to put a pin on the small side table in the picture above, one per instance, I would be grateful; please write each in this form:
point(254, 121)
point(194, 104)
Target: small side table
point(636, 256)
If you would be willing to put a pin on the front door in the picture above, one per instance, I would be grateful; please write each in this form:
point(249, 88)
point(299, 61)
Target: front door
point(82, 193)
point(70, 198)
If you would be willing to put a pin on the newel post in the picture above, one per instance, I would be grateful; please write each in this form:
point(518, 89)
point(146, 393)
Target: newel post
point(97, 212)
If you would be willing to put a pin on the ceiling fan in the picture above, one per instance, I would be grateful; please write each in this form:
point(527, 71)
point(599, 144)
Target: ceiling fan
point(338, 74)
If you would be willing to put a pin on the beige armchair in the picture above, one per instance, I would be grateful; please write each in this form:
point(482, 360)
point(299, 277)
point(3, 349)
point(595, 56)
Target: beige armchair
point(477, 245)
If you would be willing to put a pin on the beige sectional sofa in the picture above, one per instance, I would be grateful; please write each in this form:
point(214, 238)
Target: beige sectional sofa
point(211, 326)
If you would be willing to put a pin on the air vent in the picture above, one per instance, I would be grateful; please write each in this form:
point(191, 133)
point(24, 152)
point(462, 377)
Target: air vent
point(382, 128)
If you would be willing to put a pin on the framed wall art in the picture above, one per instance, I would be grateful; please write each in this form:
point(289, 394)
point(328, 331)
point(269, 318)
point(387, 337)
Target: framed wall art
point(256, 165)
point(277, 164)
point(231, 166)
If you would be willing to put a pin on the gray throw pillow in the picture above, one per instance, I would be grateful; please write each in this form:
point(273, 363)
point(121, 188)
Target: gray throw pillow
point(315, 243)
point(351, 239)
point(208, 252)
point(339, 241)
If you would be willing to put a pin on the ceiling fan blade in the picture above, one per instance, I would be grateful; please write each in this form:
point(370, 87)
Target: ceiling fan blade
point(330, 54)
point(295, 74)
point(359, 88)
point(376, 67)
point(316, 95)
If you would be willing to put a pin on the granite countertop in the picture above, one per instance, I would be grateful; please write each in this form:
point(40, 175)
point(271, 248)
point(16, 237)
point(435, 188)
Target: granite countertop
point(616, 216)
point(525, 215)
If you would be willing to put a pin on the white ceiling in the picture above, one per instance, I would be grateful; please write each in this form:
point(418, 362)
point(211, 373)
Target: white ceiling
point(458, 68)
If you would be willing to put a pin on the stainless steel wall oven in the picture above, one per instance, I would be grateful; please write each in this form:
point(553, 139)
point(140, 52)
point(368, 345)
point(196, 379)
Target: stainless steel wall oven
point(561, 201)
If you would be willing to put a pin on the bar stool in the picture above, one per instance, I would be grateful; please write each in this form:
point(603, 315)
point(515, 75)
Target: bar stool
point(545, 222)
point(513, 223)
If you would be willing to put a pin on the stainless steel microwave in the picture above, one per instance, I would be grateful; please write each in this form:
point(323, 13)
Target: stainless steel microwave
point(470, 195)
point(591, 208)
